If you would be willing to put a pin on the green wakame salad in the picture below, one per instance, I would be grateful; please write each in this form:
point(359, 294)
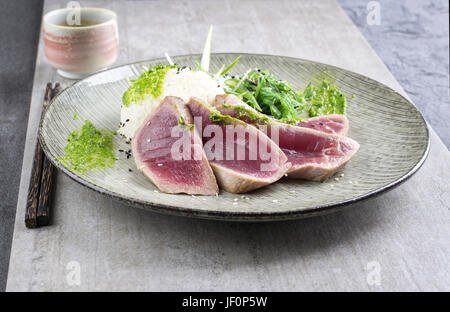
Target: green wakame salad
point(276, 98)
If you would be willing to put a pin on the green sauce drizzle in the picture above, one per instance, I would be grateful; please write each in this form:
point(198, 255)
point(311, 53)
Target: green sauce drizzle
point(218, 118)
point(325, 100)
point(89, 149)
point(149, 83)
point(252, 115)
point(181, 121)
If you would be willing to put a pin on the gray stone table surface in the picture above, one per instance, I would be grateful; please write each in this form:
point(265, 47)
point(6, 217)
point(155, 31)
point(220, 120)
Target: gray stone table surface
point(398, 241)
point(413, 40)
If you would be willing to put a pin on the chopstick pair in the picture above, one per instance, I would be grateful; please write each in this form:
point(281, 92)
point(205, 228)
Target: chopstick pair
point(38, 201)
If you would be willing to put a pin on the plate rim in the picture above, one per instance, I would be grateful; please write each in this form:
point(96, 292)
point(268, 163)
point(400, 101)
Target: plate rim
point(230, 215)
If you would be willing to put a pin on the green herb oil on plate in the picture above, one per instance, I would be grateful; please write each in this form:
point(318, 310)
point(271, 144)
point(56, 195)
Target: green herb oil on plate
point(89, 148)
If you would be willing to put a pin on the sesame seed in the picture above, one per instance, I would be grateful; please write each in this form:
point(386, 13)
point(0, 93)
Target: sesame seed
point(342, 174)
point(159, 165)
point(336, 179)
point(350, 182)
point(148, 140)
point(130, 170)
point(156, 191)
point(275, 201)
point(331, 185)
point(292, 192)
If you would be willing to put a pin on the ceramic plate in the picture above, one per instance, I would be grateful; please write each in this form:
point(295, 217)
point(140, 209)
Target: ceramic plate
point(392, 133)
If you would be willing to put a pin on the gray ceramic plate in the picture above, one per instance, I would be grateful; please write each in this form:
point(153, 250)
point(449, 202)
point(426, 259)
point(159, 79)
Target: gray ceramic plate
point(392, 133)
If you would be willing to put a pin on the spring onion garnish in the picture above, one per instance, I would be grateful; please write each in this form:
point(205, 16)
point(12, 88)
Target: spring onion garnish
point(204, 63)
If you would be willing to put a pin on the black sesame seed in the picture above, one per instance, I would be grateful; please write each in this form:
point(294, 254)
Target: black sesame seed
point(130, 170)
point(121, 150)
point(127, 120)
point(321, 123)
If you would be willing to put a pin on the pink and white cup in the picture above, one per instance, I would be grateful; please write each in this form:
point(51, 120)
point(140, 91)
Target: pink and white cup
point(81, 48)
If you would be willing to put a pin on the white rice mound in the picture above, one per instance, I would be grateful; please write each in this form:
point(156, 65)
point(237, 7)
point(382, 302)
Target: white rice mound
point(186, 84)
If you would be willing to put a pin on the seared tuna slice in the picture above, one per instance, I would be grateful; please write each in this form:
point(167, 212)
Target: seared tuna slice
point(334, 124)
point(242, 157)
point(169, 152)
point(314, 155)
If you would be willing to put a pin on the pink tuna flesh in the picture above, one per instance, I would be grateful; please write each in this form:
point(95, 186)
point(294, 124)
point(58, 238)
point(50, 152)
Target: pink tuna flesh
point(154, 154)
point(334, 124)
point(314, 155)
point(242, 157)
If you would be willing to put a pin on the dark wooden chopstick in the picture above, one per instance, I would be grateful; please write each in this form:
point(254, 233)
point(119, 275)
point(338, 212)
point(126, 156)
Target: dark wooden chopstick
point(43, 209)
point(38, 201)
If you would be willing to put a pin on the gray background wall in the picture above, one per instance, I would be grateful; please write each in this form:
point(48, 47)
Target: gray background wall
point(412, 39)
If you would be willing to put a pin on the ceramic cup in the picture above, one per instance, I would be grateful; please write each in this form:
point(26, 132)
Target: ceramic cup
point(78, 50)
